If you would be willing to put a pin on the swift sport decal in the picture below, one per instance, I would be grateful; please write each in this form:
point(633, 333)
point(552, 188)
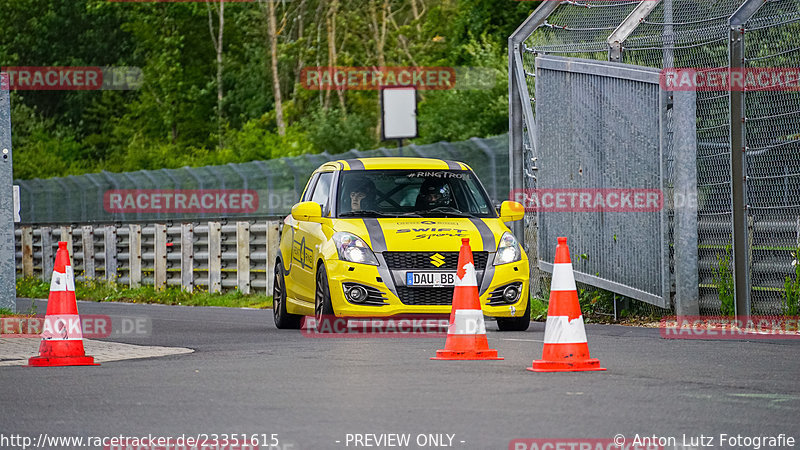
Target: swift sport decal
point(429, 233)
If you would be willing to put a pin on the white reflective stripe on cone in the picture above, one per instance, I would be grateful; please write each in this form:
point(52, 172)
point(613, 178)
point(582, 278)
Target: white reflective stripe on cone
point(561, 330)
point(563, 279)
point(63, 282)
point(468, 321)
point(470, 279)
point(62, 327)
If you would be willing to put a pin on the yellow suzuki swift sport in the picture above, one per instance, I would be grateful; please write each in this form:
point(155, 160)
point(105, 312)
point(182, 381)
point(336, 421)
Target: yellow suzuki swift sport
point(378, 237)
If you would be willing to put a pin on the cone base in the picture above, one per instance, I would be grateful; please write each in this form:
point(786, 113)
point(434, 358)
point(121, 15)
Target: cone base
point(43, 361)
point(445, 355)
point(585, 365)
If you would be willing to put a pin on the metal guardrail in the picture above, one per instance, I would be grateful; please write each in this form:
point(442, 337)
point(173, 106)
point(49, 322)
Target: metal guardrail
point(212, 256)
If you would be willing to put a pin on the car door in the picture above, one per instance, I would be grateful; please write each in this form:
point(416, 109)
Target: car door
point(308, 240)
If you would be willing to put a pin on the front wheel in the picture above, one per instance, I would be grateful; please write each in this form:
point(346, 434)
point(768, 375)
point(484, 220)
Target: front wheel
point(323, 308)
point(283, 319)
point(516, 323)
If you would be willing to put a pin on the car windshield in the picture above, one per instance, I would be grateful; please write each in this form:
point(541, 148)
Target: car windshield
point(412, 193)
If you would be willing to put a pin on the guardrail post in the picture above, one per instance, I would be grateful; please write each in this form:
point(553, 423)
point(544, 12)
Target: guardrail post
point(66, 236)
point(273, 244)
point(243, 256)
point(27, 252)
point(87, 236)
point(135, 251)
point(111, 252)
point(187, 257)
point(160, 263)
point(214, 257)
point(48, 260)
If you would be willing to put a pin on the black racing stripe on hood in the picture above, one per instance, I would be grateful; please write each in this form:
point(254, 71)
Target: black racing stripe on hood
point(486, 234)
point(376, 236)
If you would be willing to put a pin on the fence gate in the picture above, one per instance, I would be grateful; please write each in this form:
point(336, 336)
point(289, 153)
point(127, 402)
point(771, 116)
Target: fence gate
point(602, 138)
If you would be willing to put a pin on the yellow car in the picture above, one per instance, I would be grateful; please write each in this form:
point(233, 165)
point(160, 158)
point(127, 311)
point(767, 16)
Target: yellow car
point(380, 237)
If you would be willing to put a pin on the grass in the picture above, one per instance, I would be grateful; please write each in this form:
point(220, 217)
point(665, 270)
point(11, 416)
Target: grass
point(107, 291)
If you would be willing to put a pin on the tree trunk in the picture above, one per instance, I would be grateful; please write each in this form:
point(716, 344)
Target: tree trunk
point(218, 47)
point(276, 81)
point(379, 36)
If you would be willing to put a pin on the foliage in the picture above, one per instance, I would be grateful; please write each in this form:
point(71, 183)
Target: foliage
point(105, 291)
point(175, 118)
point(791, 292)
point(723, 280)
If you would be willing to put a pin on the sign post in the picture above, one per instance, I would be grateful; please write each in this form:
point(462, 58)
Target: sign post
point(8, 287)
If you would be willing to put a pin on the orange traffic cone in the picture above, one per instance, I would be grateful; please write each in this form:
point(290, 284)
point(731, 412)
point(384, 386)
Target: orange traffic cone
point(466, 336)
point(62, 337)
point(565, 345)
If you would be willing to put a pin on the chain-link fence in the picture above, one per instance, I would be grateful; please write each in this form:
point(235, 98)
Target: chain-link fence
point(691, 34)
point(257, 189)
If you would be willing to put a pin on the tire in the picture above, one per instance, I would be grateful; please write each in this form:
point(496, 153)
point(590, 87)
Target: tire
point(283, 319)
point(516, 323)
point(323, 309)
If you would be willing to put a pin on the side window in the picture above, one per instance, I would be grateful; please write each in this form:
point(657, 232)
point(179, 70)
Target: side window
point(323, 190)
point(309, 189)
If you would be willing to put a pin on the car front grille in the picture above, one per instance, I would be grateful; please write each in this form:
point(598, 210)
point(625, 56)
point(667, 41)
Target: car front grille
point(428, 260)
point(425, 295)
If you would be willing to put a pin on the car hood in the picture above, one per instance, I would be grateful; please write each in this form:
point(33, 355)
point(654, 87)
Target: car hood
point(424, 234)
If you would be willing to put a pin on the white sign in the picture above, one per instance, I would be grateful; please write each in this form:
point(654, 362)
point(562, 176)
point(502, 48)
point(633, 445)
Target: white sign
point(399, 113)
point(16, 204)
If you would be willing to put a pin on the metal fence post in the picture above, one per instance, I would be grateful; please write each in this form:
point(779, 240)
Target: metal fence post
point(8, 270)
point(687, 291)
point(741, 244)
point(243, 257)
point(135, 258)
point(48, 260)
point(187, 257)
point(110, 252)
point(214, 257)
point(160, 263)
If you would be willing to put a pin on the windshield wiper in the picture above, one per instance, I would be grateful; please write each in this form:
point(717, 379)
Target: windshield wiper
point(443, 211)
point(364, 213)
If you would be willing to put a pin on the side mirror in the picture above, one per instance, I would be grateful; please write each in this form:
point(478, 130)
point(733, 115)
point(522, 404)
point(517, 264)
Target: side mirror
point(511, 211)
point(307, 211)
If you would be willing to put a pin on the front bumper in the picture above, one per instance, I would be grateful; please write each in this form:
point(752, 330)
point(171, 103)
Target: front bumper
point(390, 284)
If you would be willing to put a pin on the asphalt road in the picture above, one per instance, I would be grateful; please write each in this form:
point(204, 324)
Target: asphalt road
point(248, 377)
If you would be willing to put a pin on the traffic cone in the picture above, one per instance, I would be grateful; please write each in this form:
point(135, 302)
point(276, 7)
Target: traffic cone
point(62, 337)
point(565, 345)
point(466, 336)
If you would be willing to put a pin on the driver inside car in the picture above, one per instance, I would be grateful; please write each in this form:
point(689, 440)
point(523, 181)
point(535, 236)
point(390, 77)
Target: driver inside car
point(362, 196)
point(433, 193)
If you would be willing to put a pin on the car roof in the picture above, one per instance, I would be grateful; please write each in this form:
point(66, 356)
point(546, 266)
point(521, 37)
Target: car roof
point(393, 163)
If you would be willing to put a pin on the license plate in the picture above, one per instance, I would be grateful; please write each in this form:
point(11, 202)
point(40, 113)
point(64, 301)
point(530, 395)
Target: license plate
point(430, 279)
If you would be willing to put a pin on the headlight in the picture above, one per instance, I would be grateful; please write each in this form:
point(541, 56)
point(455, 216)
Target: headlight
point(353, 249)
point(508, 251)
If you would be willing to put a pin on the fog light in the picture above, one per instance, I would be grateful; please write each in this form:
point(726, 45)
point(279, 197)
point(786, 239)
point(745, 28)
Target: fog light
point(510, 294)
point(357, 294)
